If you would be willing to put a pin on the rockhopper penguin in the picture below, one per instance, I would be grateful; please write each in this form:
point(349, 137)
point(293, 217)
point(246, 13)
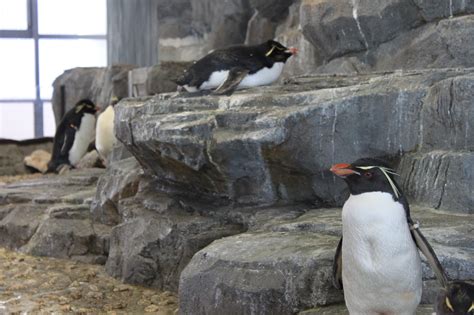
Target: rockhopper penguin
point(104, 135)
point(73, 135)
point(237, 67)
point(456, 299)
point(377, 261)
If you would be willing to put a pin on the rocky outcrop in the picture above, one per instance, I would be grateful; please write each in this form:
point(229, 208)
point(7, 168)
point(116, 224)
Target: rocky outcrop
point(120, 181)
point(276, 144)
point(284, 265)
point(231, 163)
point(154, 235)
point(49, 216)
point(153, 250)
point(347, 36)
point(356, 36)
point(440, 179)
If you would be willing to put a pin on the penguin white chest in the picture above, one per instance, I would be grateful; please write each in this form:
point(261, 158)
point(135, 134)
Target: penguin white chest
point(263, 76)
point(105, 138)
point(82, 138)
point(381, 265)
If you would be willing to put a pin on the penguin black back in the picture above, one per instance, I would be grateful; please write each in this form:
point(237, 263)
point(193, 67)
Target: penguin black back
point(64, 136)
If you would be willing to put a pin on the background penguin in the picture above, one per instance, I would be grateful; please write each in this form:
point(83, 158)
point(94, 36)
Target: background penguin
point(377, 260)
point(456, 299)
point(73, 135)
point(237, 67)
point(104, 136)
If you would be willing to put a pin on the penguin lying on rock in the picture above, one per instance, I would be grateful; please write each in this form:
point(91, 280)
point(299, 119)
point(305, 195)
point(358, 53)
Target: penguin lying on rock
point(236, 67)
point(377, 260)
point(104, 136)
point(456, 299)
point(73, 135)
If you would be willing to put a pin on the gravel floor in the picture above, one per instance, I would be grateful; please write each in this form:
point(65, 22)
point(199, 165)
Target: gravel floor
point(47, 285)
point(10, 179)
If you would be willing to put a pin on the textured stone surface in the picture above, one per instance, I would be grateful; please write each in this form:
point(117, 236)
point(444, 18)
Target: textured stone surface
point(120, 181)
point(89, 160)
point(161, 78)
point(152, 249)
point(223, 22)
point(284, 266)
point(49, 216)
point(126, 19)
point(275, 144)
point(448, 117)
point(440, 179)
point(345, 36)
point(274, 11)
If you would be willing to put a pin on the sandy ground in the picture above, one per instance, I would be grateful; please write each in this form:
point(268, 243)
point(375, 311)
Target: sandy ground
point(40, 285)
point(10, 179)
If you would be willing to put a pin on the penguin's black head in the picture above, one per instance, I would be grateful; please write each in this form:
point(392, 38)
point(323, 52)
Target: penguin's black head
point(368, 175)
point(86, 106)
point(456, 299)
point(277, 52)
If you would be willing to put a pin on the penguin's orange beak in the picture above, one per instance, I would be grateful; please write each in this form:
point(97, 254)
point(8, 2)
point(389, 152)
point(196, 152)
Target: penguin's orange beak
point(97, 108)
point(293, 50)
point(342, 170)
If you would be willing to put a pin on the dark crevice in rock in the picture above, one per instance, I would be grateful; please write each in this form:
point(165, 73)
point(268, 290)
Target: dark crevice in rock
point(444, 182)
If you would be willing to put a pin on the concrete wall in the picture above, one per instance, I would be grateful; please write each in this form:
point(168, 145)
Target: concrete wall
point(132, 28)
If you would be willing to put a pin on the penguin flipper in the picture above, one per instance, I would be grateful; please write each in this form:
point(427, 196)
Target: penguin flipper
point(68, 141)
point(236, 75)
point(337, 267)
point(429, 253)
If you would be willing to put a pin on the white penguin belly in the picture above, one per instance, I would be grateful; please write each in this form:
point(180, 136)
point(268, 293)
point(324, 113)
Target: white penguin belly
point(82, 138)
point(381, 267)
point(215, 80)
point(264, 76)
point(105, 137)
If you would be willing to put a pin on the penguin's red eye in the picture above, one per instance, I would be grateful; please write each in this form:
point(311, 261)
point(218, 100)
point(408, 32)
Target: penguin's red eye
point(368, 174)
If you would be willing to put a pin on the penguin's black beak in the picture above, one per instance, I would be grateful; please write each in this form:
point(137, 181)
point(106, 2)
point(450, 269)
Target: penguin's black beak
point(342, 170)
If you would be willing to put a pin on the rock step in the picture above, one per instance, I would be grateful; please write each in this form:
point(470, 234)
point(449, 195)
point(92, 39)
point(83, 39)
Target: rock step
point(284, 265)
point(275, 144)
point(50, 216)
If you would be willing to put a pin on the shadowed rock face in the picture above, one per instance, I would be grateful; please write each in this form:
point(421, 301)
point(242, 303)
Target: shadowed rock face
point(276, 144)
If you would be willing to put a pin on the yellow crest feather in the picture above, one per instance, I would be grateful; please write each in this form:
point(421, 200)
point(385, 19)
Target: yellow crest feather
point(448, 304)
point(79, 108)
point(270, 51)
point(471, 308)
